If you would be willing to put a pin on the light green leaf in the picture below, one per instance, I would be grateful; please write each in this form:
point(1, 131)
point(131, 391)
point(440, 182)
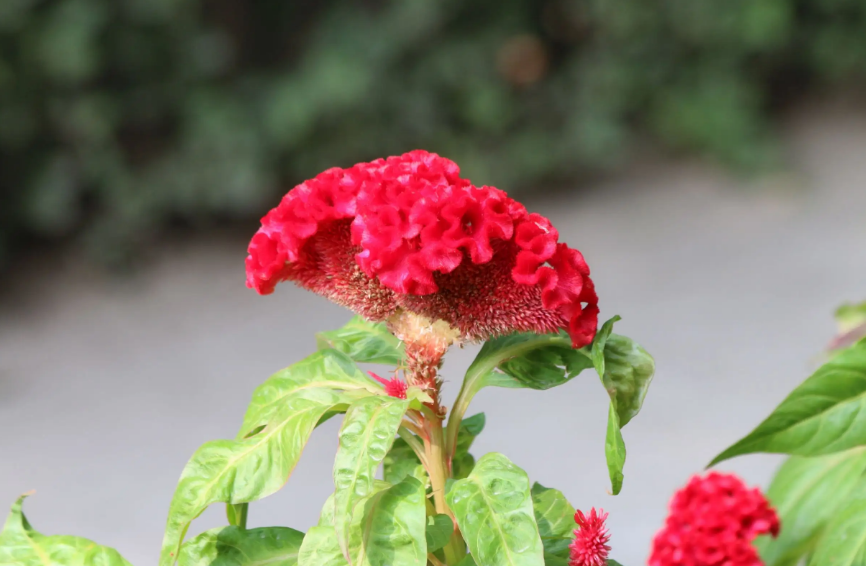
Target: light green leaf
point(844, 541)
point(555, 518)
point(439, 530)
point(599, 342)
point(365, 439)
point(614, 450)
point(364, 341)
point(327, 369)
point(21, 545)
point(494, 511)
point(387, 528)
point(467, 561)
point(463, 462)
point(807, 493)
point(241, 471)
point(825, 414)
point(320, 548)
point(233, 546)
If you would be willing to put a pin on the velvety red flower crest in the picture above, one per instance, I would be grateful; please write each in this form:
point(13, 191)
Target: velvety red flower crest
point(712, 522)
point(589, 547)
point(407, 233)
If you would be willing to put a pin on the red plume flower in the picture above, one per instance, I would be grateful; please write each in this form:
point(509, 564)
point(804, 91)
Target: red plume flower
point(712, 522)
point(408, 234)
point(395, 387)
point(589, 547)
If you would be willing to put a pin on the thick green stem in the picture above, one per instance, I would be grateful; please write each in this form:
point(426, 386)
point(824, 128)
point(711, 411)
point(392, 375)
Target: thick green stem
point(437, 468)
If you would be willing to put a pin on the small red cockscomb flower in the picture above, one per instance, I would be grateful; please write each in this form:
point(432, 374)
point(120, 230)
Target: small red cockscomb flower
point(395, 387)
point(589, 547)
point(408, 234)
point(712, 522)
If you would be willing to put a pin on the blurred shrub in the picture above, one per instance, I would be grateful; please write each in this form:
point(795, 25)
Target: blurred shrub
point(118, 117)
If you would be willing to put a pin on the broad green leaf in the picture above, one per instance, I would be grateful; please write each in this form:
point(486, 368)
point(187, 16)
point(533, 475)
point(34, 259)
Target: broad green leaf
point(555, 560)
point(364, 341)
point(21, 545)
point(614, 450)
point(825, 414)
point(546, 360)
point(233, 546)
point(320, 548)
point(628, 372)
point(613, 563)
point(327, 369)
point(387, 528)
point(494, 511)
point(326, 517)
point(807, 493)
point(394, 526)
point(400, 462)
point(467, 561)
point(554, 516)
point(844, 541)
point(439, 530)
point(235, 472)
point(365, 439)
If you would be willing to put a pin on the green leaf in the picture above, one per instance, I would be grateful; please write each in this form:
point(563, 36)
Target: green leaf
point(613, 563)
point(235, 472)
point(614, 450)
point(21, 545)
point(494, 511)
point(825, 414)
point(364, 341)
point(599, 342)
point(555, 518)
point(546, 361)
point(463, 462)
point(844, 541)
point(467, 561)
point(627, 373)
point(365, 439)
point(327, 369)
point(233, 546)
point(320, 548)
point(400, 462)
point(439, 530)
point(387, 528)
point(807, 493)
point(555, 560)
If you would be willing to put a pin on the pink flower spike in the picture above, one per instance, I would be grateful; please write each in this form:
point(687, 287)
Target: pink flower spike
point(589, 547)
point(393, 387)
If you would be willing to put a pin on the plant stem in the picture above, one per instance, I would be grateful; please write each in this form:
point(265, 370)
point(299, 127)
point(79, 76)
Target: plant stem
point(437, 468)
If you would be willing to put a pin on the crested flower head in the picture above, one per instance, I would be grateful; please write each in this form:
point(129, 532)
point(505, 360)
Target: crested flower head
point(407, 234)
point(589, 547)
point(712, 522)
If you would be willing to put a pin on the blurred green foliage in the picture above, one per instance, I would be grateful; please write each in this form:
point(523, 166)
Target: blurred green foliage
point(119, 117)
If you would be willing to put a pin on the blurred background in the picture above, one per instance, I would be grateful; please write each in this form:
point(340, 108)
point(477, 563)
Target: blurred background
point(709, 159)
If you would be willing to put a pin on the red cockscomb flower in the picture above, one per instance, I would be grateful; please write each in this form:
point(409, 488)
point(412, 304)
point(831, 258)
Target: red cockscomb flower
point(395, 387)
point(712, 522)
point(408, 234)
point(589, 547)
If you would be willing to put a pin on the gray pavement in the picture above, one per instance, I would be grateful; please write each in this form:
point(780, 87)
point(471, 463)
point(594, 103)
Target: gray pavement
point(107, 387)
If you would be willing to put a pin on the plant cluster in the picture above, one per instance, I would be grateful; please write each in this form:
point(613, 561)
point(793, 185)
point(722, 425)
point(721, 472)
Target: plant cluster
point(428, 260)
point(120, 117)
